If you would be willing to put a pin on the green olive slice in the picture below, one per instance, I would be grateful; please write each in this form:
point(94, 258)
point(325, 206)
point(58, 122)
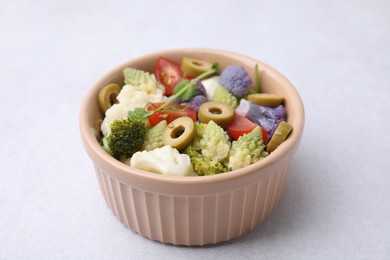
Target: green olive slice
point(221, 113)
point(107, 96)
point(179, 133)
point(266, 99)
point(194, 67)
point(279, 136)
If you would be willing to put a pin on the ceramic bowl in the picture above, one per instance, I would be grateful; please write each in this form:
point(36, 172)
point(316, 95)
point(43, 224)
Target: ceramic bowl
point(196, 210)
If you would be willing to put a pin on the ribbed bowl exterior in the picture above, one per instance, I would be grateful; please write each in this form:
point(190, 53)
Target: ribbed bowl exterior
point(193, 220)
point(193, 210)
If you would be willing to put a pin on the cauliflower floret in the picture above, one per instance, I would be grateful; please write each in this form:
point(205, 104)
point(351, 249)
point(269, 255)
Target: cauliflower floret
point(267, 117)
point(210, 85)
point(165, 160)
point(248, 149)
point(215, 142)
point(129, 98)
point(140, 94)
point(236, 80)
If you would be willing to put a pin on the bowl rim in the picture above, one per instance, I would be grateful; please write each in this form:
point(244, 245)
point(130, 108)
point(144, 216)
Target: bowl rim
point(92, 146)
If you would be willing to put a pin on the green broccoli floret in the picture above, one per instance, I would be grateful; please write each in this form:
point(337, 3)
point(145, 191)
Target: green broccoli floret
point(223, 95)
point(153, 137)
point(204, 165)
point(214, 142)
point(248, 149)
point(126, 138)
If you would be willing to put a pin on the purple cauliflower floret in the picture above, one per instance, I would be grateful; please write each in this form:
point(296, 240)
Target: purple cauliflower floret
point(236, 80)
point(267, 117)
point(199, 97)
point(200, 90)
point(196, 101)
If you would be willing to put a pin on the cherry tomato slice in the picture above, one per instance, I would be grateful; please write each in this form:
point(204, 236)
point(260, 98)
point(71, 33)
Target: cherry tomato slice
point(242, 125)
point(168, 73)
point(170, 113)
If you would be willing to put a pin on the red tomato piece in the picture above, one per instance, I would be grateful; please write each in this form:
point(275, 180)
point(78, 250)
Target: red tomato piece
point(265, 135)
point(170, 113)
point(242, 125)
point(168, 73)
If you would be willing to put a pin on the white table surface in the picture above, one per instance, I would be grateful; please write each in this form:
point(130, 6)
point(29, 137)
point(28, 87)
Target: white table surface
point(337, 54)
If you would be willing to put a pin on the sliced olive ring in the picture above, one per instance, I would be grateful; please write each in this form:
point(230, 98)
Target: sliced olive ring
point(179, 133)
point(266, 99)
point(221, 113)
point(279, 136)
point(107, 96)
point(194, 67)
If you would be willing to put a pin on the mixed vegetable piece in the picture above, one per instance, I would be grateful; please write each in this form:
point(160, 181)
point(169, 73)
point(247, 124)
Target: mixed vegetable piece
point(191, 118)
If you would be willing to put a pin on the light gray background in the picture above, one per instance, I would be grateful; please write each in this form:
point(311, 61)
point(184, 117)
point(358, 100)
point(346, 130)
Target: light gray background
point(337, 54)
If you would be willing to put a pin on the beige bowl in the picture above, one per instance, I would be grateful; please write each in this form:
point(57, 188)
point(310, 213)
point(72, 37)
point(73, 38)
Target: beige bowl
point(193, 210)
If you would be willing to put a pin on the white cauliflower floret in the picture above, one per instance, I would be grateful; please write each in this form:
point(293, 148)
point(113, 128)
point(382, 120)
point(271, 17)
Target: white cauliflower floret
point(210, 85)
point(151, 87)
point(139, 94)
point(129, 98)
point(165, 160)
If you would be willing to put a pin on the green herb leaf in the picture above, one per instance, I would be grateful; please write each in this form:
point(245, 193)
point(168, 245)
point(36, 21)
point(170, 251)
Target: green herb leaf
point(216, 68)
point(189, 93)
point(180, 86)
point(139, 114)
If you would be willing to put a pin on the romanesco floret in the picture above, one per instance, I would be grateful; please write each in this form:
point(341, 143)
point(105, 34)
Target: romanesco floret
point(236, 80)
point(126, 138)
point(142, 80)
point(215, 142)
point(204, 165)
point(223, 95)
point(153, 136)
point(248, 149)
point(199, 134)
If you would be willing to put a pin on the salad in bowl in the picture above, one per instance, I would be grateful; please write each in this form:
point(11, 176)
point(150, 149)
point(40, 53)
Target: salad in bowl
point(192, 146)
